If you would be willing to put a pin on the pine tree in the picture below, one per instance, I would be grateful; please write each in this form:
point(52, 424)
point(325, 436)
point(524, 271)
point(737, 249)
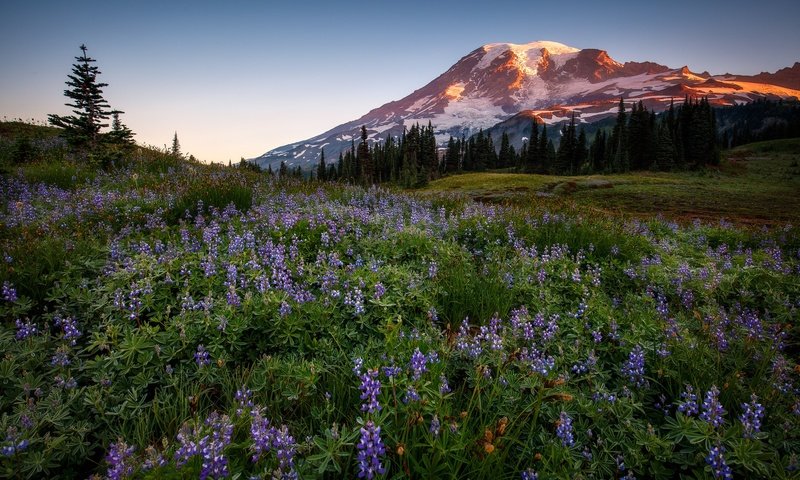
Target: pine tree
point(533, 157)
point(665, 149)
point(322, 170)
point(581, 154)
point(176, 146)
point(544, 152)
point(120, 134)
point(365, 159)
point(82, 130)
point(505, 159)
point(618, 142)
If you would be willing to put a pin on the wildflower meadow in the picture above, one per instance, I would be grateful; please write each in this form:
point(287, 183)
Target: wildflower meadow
point(167, 319)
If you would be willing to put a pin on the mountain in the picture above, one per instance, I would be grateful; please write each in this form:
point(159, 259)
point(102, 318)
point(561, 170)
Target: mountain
point(544, 80)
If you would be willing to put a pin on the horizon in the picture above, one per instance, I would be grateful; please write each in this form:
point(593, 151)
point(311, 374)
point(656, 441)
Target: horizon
point(202, 70)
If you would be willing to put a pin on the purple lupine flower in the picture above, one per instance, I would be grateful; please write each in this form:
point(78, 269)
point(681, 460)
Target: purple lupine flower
point(529, 474)
point(201, 356)
point(12, 444)
point(69, 328)
point(380, 291)
point(60, 358)
point(261, 432)
point(120, 463)
point(370, 389)
point(208, 441)
point(66, 384)
point(418, 361)
point(355, 299)
point(435, 426)
point(233, 298)
point(433, 269)
point(444, 388)
point(583, 367)
point(752, 416)
point(411, 395)
point(712, 409)
point(634, 367)
point(152, 459)
point(716, 459)
point(358, 364)
point(285, 449)
point(9, 293)
point(564, 430)
point(370, 450)
point(392, 370)
point(285, 309)
point(689, 405)
point(244, 400)
point(25, 330)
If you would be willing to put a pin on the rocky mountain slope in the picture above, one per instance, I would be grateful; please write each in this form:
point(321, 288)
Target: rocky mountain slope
point(545, 80)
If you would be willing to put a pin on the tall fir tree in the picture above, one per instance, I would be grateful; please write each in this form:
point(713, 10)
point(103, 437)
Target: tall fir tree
point(365, 159)
point(533, 158)
point(322, 169)
point(545, 158)
point(120, 134)
point(505, 159)
point(175, 150)
point(89, 108)
point(619, 141)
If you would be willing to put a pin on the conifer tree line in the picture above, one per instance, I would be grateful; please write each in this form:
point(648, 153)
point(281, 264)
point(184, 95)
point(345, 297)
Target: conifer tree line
point(758, 121)
point(410, 160)
point(683, 137)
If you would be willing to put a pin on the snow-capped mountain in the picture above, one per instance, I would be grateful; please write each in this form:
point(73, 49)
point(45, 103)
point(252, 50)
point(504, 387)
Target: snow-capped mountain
point(545, 80)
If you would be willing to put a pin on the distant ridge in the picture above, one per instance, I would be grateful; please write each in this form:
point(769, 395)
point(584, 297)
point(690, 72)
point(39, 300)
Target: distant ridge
point(545, 79)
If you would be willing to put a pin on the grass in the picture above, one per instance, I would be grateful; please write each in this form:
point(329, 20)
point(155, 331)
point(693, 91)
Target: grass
point(755, 184)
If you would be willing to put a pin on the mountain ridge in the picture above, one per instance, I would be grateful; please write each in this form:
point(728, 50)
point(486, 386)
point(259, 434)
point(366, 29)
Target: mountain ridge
point(497, 81)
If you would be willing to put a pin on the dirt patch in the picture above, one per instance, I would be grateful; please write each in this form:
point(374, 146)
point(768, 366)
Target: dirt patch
point(595, 183)
point(566, 188)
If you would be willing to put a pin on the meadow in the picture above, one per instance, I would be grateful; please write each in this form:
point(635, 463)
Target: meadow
point(168, 319)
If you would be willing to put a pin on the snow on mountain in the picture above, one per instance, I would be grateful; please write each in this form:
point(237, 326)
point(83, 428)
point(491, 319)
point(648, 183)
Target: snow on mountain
point(543, 79)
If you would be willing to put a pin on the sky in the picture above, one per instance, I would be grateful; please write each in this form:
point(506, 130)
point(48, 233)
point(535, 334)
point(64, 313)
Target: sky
point(236, 79)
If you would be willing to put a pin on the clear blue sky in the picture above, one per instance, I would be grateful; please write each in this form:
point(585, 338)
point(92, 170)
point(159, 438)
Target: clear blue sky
point(239, 78)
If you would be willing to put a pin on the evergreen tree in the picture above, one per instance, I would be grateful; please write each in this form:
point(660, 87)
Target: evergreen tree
point(322, 170)
point(533, 157)
point(567, 150)
point(598, 152)
point(82, 130)
point(365, 159)
point(176, 147)
point(581, 154)
point(283, 171)
point(120, 134)
point(452, 155)
point(618, 142)
point(545, 158)
point(505, 159)
point(665, 149)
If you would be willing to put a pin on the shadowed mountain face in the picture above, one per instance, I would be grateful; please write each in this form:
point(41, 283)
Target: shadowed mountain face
point(544, 80)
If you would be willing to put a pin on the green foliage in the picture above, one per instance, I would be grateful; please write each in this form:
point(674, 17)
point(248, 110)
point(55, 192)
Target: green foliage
point(217, 193)
point(529, 316)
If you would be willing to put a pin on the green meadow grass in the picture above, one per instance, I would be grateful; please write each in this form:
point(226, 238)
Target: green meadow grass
point(755, 184)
